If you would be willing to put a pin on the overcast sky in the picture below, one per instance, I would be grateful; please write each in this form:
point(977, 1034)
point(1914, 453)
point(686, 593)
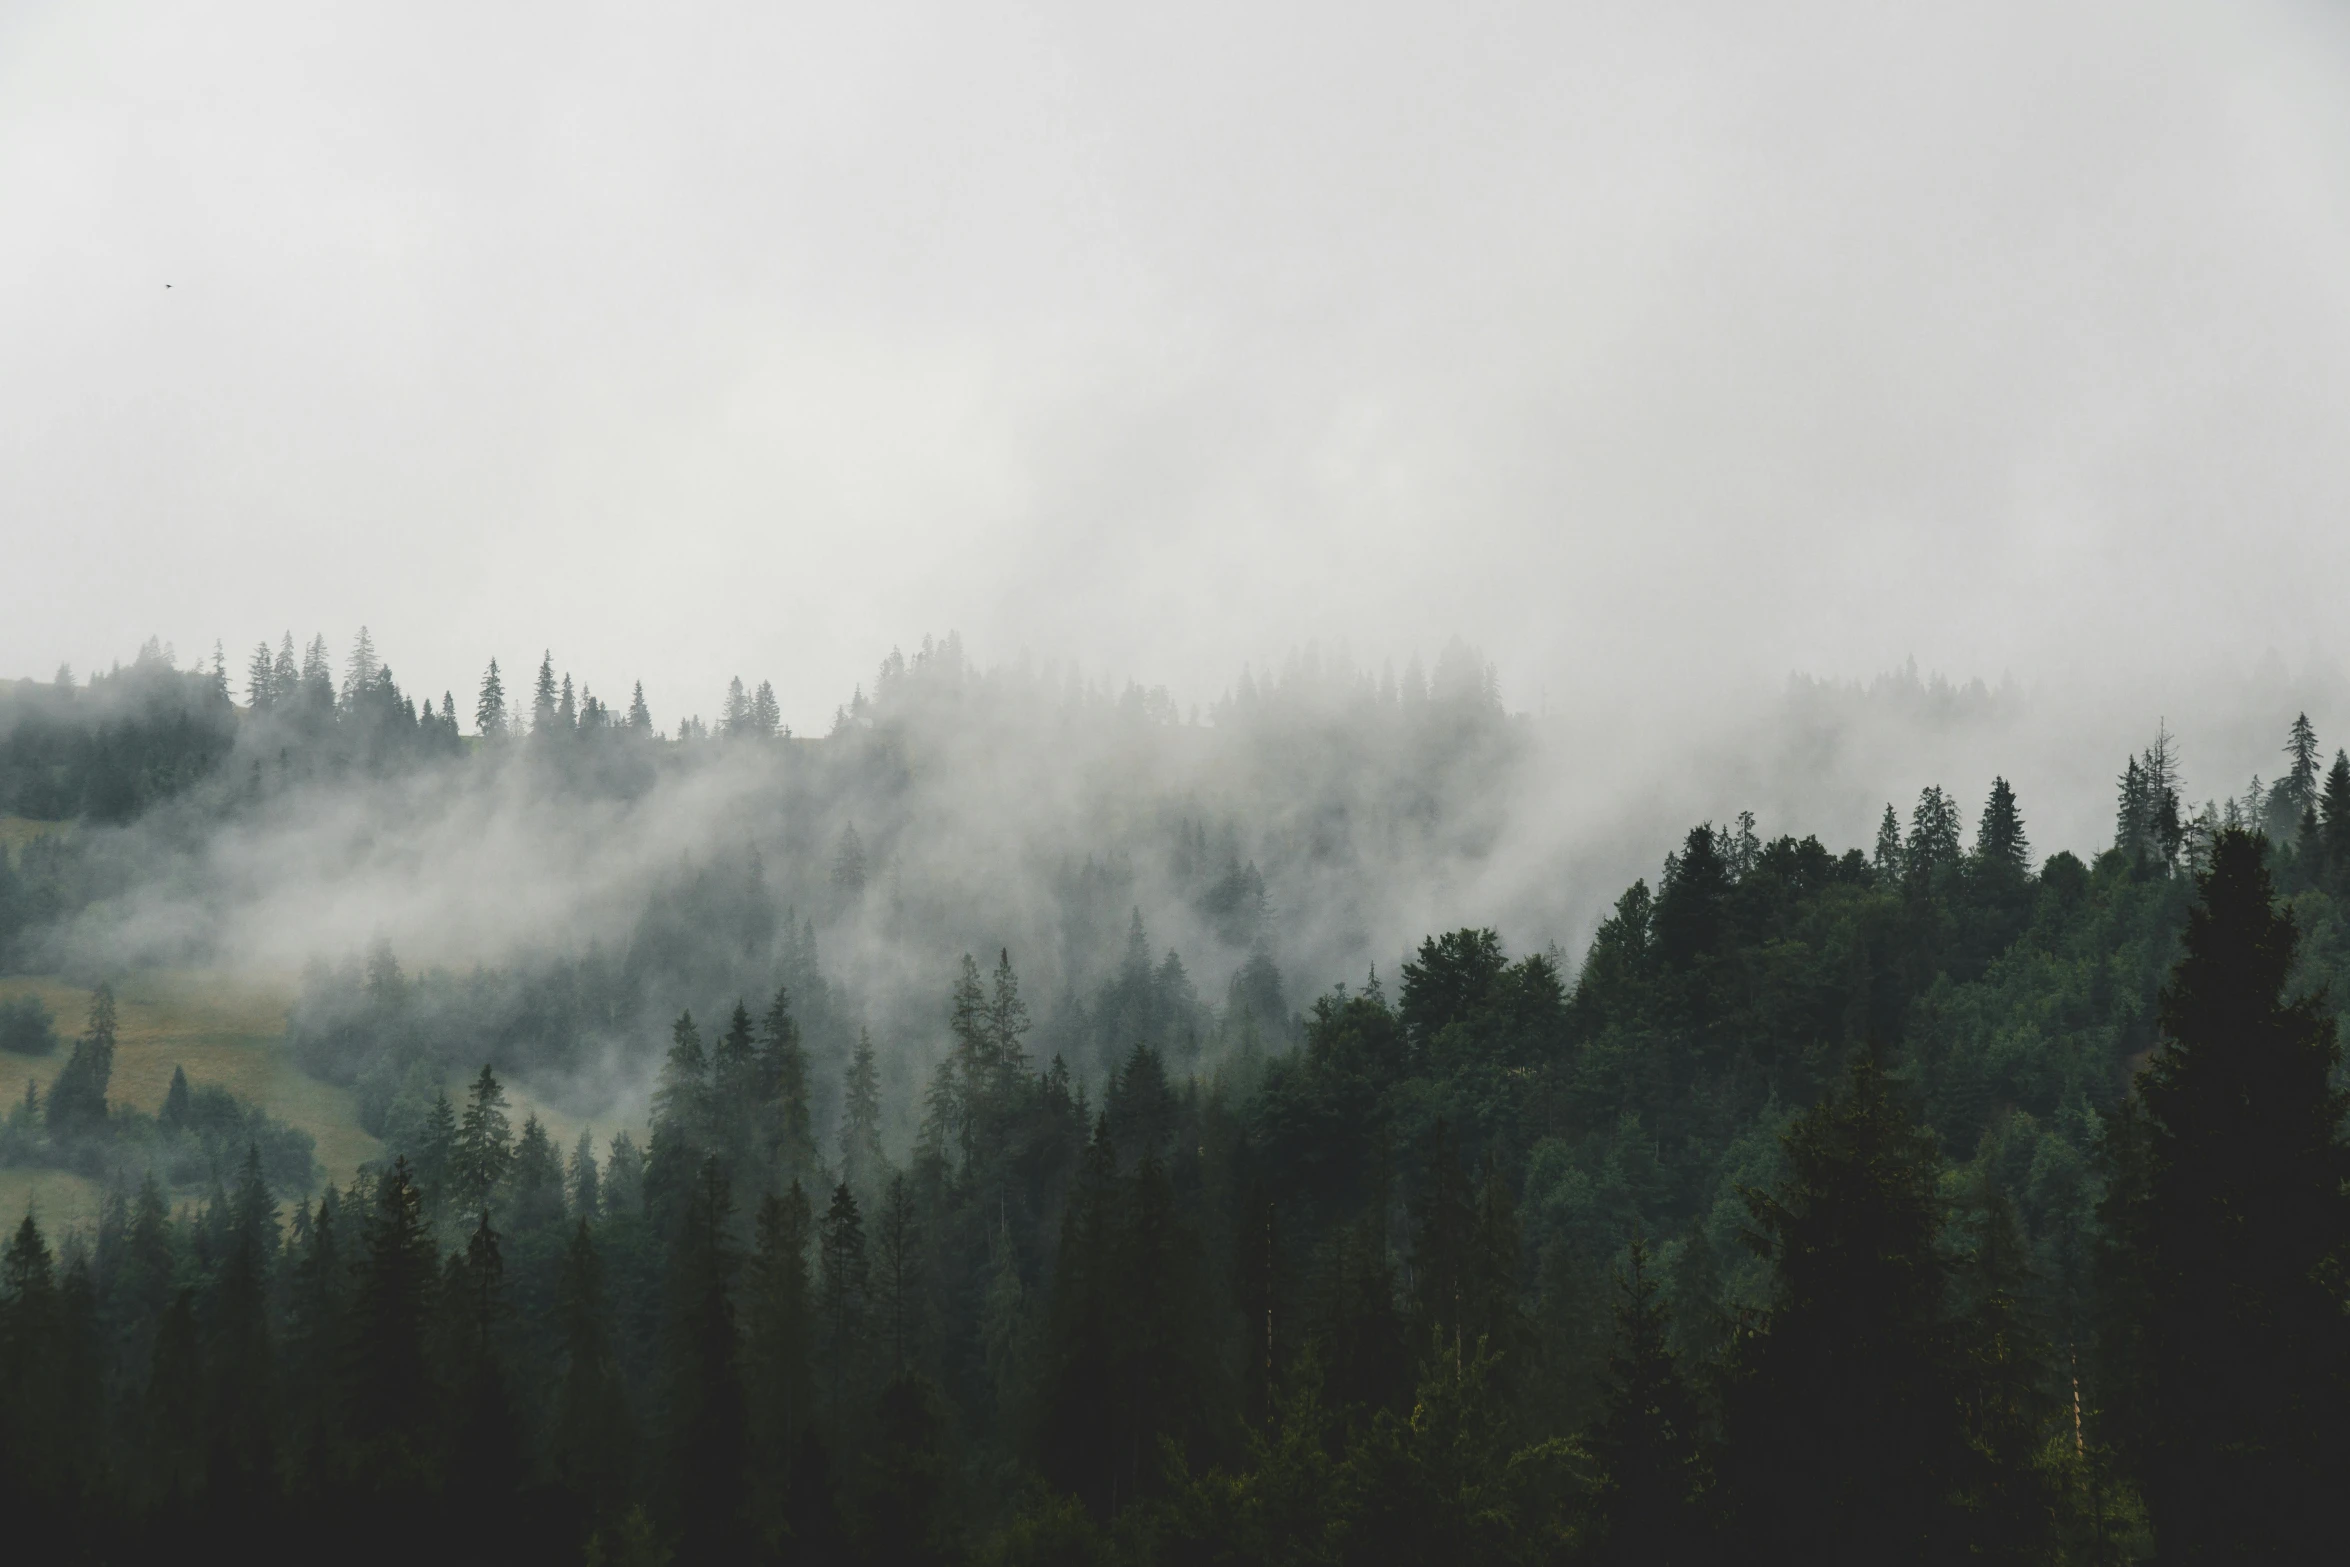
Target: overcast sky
point(1650, 347)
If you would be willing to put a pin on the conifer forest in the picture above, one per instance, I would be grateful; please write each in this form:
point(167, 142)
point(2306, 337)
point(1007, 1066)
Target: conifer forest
point(999, 1132)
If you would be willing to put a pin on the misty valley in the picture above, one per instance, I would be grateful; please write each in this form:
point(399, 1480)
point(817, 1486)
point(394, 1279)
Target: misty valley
point(1037, 1122)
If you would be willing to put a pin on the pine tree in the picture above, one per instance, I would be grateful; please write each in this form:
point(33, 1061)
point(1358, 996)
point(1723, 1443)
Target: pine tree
point(640, 717)
point(542, 697)
point(2334, 815)
point(897, 1279)
point(708, 1442)
point(489, 710)
point(1888, 864)
point(536, 1178)
point(583, 1185)
point(485, 1450)
point(861, 1158)
point(778, 1335)
point(844, 1283)
point(360, 669)
point(682, 1121)
point(77, 1099)
point(590, 1443)
point(1843, 1432)
point(485, 1146)
point(766, 715)
point(2247, 1354)
point(1648, 1448)
point(31, 1391)
point(1933, 836)
point(241, 1361)
point(2004, 1371)
point(2000, 843)
point(260, 680)
point(2300, 779)
point(2133, 817)
point(392, 1394)
point(783, 1086)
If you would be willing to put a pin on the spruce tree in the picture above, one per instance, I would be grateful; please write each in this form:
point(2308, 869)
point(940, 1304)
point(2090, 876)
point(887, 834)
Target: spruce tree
point(640, 717)
point(485, 1146)
point(2000, 844)
point(861, 1159)
point(783, 1086)
point(77, 1099)
point(589, 1446)
point(1842, 1416)
point(1887, 862)
point(242, 1418)
point(2334, 815)
point(1651, 1499)
point(708, 1441)
point(542, 697)
point(2246, 1225)
point(844, 1285)
point(489, 709)
point(392, 1393)
point(2300, 778)
point(778, 1337)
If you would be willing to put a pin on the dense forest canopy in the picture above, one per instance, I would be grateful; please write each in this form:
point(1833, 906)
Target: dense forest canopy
point(1934, 1197)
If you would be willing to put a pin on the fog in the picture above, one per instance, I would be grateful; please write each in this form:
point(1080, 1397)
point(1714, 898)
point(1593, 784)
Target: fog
point(1794, 408)
point(1657, 349)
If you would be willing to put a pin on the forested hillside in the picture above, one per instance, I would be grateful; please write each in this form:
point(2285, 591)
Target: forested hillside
point(1930, 1199)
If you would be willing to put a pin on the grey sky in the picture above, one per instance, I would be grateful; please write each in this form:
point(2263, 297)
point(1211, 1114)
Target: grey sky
point(1650, 347)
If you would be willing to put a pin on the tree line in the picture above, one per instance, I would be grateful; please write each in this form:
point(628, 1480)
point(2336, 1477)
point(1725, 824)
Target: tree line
point(1914, 1203)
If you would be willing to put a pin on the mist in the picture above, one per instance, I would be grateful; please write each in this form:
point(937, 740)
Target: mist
point(1160, 345)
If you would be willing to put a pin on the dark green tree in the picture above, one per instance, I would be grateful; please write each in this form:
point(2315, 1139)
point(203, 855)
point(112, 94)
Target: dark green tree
point(1842, 1420)
point(1653, 1494)
point(2247, 1225)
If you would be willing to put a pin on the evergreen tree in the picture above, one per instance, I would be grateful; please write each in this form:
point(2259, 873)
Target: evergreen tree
point(1843, 1433)
point(861, 1159)
point(2334, 815)
point(708, 1442)
point(640, 717)
point(31, 1390)
point(77, 1099)
point(485, 1146)
point(778, 1335)
point(542, 697)
point(360, 669)
point(1648, 1449)
point(590, 1442)
point(2008, 1503)
point(766, 716)
point(2133, 817)
point(536, 1179)
point(583, 1185)
point(1933, 836)
point(485, 1450)
point(392, 1394)
point(682, 1122)
point(783, 1086)
point(242, 1412)
point(260, 680)
point(844, 1286)
point(897, 1279)
point(1888, 863)
point(2247, 1353)
point(489, 710)
point(2000, 843)
point(2300, 778)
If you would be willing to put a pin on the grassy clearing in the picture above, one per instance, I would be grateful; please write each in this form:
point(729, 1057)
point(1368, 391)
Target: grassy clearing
point(219, 1028)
